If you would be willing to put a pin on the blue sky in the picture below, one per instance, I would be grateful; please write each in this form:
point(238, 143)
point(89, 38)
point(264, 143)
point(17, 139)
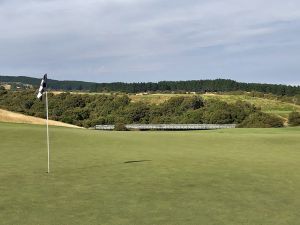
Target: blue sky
point(151, 40)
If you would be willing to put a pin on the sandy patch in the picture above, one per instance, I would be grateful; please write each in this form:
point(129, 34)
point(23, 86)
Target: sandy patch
point(7, 116)
point(6, 86)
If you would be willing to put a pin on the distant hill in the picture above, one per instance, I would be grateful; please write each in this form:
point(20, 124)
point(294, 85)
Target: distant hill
point(217, 85)
point(53, 84)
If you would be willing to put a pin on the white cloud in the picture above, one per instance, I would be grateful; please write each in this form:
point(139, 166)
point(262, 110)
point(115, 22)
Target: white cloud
point(137, 35)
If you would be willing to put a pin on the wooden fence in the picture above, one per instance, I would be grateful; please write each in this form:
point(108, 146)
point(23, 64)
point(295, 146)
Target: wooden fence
point(169, 126)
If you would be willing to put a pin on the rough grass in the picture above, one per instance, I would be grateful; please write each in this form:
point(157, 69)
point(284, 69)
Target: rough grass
point(8, 116)
point(236, 177)
point(276, 107)
point(273, 106)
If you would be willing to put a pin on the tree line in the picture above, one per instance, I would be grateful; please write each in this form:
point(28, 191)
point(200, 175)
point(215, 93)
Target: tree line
point(217, 85)
point(90, 110)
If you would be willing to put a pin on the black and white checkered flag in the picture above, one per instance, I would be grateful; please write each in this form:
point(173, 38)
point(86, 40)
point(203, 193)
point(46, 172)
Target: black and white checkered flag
point(43, 87)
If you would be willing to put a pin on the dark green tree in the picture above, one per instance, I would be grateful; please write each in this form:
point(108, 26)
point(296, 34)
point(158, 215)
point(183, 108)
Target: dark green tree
point(294, 119)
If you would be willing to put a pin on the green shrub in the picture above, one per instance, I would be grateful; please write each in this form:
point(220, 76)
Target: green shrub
point(120, 127)
point(261, 120)
point(294, 119)
point(90, 110)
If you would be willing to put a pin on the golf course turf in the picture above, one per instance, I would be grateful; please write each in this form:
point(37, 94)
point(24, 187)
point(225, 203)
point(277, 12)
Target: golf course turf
point(232, 177)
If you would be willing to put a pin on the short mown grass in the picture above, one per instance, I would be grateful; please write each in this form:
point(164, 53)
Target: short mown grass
point(237, 176)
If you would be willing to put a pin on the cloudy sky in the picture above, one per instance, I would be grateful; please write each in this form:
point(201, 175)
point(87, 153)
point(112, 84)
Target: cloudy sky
point(151, 40)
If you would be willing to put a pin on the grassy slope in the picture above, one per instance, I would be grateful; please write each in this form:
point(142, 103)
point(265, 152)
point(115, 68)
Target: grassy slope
point(238, 176)
point(279, 108)
point(267, 105)
point(13, 117)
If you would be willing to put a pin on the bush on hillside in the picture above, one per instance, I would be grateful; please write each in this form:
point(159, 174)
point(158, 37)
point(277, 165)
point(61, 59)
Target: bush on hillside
point(261, 120)
point(3, 91)
point(90, 110)
point(294, 119)
point(120, 127)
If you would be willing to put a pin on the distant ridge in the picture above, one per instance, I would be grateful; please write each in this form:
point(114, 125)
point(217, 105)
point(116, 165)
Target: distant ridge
point(217, 85)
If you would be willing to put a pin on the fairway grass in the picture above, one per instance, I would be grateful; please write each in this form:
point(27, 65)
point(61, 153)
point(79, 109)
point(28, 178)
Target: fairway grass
point(232, 177)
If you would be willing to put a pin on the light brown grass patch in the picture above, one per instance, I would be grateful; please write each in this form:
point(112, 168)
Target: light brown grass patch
point(7, 116)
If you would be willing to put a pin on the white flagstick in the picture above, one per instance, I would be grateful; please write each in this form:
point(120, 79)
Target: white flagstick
point(48, 145)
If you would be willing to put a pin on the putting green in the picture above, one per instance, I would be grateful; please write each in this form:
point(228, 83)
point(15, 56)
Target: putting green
point(237, 176)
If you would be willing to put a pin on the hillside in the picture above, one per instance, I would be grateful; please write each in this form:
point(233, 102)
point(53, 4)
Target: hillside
point(12, 117)
point(217, 85)
point(273, 106)
point(88, 110)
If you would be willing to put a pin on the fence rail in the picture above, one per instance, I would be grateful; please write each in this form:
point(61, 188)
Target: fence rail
point(169, 126)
